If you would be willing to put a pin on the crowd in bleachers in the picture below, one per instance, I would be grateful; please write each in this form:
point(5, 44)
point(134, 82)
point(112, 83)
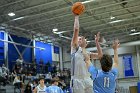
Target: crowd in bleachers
point(26, 76)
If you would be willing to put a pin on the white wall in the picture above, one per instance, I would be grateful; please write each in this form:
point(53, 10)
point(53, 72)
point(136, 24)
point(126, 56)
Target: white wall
point(67, 64)
point(121, 50)
point(66, 54)
point(125, 51)
point(55, 57)
point(66, 57)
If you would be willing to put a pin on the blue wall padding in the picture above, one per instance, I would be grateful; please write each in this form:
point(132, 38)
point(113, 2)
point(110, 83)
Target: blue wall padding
point(1, 48)
point(139, 87)
point(28, 55)
point(13, 54)
point(45, 55)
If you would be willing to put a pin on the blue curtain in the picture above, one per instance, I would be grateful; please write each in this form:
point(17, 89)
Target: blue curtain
point(45, 55)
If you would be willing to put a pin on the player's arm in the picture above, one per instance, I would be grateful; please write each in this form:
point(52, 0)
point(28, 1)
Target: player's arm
point(74, 42)
point(115, 46)
point(87, 59)
point(99, 53)
point(91, 68)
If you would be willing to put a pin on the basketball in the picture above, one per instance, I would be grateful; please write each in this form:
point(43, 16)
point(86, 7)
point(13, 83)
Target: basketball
point(78, 8)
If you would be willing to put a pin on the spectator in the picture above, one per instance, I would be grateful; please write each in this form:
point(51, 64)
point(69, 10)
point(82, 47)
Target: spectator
point(41, 65)
point(48, 78)
point(34, 85)
point(28, 88)
point(2, 77)
point(19, 61)
point(18, 83)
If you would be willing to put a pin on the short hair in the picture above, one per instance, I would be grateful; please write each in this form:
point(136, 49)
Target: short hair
point(55, 79)
point(106, 62)
point(41, 78)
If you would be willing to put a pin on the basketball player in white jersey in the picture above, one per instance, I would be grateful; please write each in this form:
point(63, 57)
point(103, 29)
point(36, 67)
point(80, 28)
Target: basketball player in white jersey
point(80, 77)
point(41, 88)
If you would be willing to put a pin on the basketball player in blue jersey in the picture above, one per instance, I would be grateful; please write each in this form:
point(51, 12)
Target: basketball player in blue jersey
point(80, 77)
point(54, 87)
point(104, 79)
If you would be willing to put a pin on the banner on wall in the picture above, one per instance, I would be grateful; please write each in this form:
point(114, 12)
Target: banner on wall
point(128, 67)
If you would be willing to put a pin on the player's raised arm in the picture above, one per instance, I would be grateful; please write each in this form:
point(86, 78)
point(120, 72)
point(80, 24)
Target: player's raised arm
point(99, 53)
point(115, 46)
point(74, 42)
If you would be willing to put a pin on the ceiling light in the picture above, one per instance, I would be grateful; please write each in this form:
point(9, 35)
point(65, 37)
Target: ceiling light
point(116, 21)
point(55, 29)
point(112, 17)
point(18, 18)
point(88, 41)
point(133, 30)
point(137, 33)
point(87, 1)
point(11, 14)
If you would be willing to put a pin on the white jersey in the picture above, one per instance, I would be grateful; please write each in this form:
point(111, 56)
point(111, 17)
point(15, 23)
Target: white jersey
point(40, 89)
point(81, 81)
point(79, 69)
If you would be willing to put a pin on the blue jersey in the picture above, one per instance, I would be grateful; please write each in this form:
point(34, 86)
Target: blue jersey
point(54, 89)
point(104, 82)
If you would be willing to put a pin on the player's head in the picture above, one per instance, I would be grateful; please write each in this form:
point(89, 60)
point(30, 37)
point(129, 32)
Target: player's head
point(106, 62)
point(41, 80)
point(82, 41)
point(55, 81)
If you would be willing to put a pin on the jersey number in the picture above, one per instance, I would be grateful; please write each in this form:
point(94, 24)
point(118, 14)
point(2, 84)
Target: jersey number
point(106, 81)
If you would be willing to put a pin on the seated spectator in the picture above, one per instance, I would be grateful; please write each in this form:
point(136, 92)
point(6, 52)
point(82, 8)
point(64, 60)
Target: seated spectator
point(2, 77)
point(34, 85)
point(58, 74)
point(19, 61)
point(54, 87)
point(17, 69)
point(54, 68)
point(47, 66)
point(5, 68)
point(28, 88)
point(17, 82)
point(48, 77)
point(41, 62)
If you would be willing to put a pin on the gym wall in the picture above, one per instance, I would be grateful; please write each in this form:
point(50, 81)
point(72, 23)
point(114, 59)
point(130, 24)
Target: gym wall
point(13, 54)
point(46, 54)
point(125, 51)
point(66, 58)
point(50, 54)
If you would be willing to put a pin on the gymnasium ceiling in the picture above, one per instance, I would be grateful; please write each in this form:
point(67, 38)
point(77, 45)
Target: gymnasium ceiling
point(37, 19)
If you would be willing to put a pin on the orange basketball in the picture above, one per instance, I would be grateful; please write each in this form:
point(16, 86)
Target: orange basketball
point(78, 8)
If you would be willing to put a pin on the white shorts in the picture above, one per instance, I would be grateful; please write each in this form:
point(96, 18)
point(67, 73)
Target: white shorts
point(82, 85)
